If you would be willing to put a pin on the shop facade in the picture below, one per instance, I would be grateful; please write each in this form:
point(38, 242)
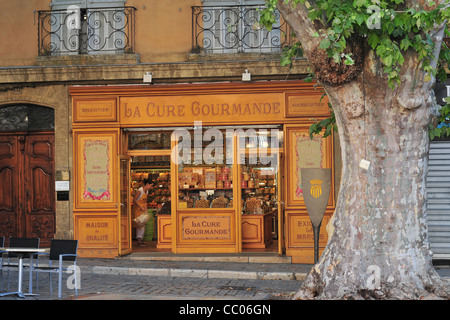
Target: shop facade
point(224, 161)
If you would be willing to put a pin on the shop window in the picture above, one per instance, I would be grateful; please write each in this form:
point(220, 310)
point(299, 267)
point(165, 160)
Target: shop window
point(205, 170)
point(149, 141)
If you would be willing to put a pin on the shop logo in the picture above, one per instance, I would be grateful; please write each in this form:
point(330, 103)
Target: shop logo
point(215, 146)
point(316, 187)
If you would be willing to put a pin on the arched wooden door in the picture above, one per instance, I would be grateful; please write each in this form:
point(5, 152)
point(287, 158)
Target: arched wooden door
point(27, 183)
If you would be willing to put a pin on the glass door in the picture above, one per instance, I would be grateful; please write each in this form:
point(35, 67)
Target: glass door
point(124, 211)
point(259, 156)
point(280, 196)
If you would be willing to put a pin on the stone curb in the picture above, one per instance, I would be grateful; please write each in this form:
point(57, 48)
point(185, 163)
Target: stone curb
point(196, 273)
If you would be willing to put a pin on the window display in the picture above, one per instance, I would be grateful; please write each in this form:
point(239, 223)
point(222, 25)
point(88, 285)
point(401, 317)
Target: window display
point(259, 189)
point(207, 180)
point(205, 187)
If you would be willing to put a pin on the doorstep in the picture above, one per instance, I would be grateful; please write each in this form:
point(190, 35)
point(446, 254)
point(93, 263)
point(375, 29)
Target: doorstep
point(255, 266)
point(253, 257)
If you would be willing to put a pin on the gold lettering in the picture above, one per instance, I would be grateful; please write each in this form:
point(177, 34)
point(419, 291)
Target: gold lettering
point(136, 113)
point(158, 109)
point(257, 107)
point(276, 107)
point(128, 112)
point(170, 110)
point(181, 110)
point(150, 105)
point(218, 109)
point(207, 109)
point(236, 108)
point(195, 108)
point(225, 108)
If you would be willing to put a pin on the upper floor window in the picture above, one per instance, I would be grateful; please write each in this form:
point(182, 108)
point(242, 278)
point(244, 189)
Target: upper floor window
point(232, 26)
point(86, 27)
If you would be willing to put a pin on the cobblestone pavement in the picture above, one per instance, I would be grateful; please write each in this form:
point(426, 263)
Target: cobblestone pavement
point(126, 279)
point(124, 287)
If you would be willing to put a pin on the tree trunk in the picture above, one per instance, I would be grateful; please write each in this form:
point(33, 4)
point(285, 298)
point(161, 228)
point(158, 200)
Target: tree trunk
point(379, 248)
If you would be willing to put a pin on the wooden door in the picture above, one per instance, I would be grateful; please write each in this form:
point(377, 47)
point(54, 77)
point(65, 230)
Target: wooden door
point(124, 214)
point(27, 192)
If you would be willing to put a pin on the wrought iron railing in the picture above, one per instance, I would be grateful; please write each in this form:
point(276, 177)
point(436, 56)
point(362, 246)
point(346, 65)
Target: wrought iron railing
point(230, 29)
point(86, 31)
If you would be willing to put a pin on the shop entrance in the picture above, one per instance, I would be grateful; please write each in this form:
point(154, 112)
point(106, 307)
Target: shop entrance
point(150, 163)
point(155, 170)
point(210, 199)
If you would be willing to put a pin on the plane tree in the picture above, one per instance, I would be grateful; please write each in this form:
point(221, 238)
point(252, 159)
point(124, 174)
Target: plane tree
point(377, 62)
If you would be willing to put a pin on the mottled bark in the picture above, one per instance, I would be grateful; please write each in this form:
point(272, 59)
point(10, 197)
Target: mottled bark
point(379, 248)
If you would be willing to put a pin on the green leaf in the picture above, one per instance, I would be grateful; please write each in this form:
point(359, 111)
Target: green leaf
point(325, 44)
point(373, 40)
point(405, 44)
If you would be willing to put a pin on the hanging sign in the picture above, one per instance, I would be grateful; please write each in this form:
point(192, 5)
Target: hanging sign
point(316, 191)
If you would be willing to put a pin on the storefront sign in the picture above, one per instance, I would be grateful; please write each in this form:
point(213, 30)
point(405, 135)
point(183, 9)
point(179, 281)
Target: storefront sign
point(300, 105)
point(206, 228)
point(94, 110)
point(301, 232)
point(96, 231)
point(229, 108)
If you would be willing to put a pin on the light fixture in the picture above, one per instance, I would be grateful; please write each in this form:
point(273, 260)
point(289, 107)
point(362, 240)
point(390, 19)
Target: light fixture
point(148, 77)
point(246, 76)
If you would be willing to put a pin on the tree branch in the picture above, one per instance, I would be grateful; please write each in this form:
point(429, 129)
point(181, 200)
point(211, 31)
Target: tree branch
point(296, 15)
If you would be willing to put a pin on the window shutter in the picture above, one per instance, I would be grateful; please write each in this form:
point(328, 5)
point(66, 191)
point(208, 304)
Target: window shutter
point(85, 4)
point(64, 4)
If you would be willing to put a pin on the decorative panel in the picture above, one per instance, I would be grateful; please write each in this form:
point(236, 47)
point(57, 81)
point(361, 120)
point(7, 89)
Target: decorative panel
point(95, 166)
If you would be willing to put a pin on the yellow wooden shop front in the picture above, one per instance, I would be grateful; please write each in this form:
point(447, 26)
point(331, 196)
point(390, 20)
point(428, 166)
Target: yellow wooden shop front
point(240, 195)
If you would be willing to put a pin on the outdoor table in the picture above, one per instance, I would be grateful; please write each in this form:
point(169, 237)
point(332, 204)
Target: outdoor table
point(20, 253)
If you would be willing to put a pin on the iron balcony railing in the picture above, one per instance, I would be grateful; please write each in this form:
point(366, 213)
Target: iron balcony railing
point(231, 29)
point(86, 31)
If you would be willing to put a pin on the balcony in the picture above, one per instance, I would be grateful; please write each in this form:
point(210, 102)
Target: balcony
point(86, 31)
point(235, 29)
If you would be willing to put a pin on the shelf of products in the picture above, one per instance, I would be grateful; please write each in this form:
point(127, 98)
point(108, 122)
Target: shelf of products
point(159, 195)
point(205, 186)
point(259, 189)
point(259, 202)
